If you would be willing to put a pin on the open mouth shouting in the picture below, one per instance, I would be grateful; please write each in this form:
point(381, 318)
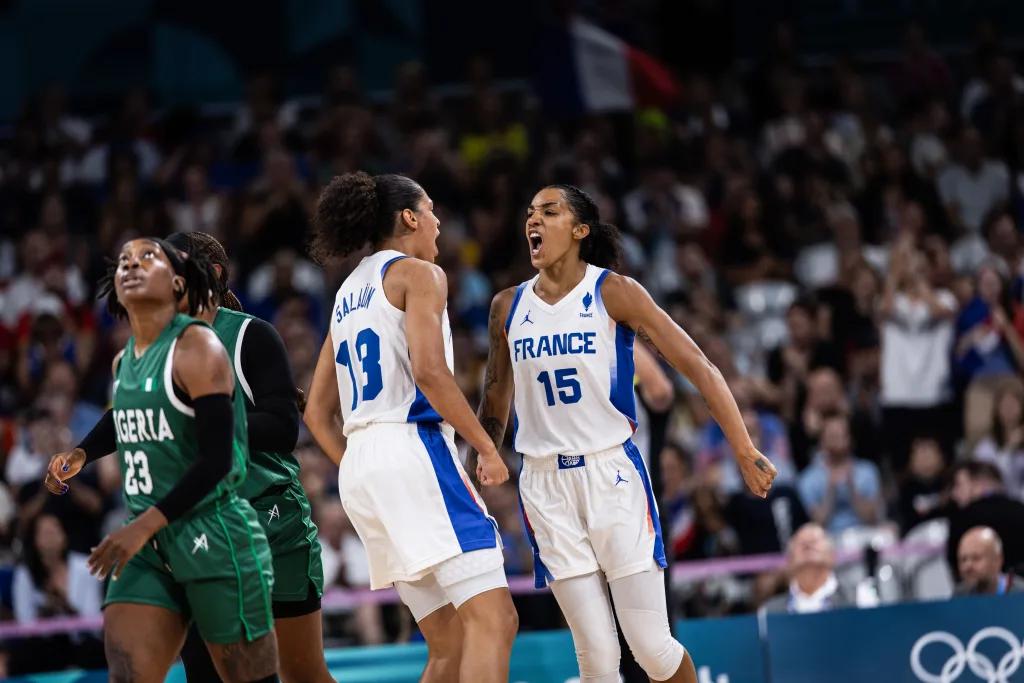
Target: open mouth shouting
point(535, 242)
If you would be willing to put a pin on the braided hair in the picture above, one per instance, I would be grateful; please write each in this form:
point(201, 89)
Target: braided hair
point(602, 246)
point(197, 271)
point(208, 246)
point(356, 209)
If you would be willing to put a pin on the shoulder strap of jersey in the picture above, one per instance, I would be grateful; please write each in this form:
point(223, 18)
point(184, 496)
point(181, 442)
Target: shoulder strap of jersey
point(515, 302)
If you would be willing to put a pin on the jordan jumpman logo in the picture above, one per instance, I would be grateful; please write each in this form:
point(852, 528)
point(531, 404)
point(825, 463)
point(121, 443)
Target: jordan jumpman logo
point(619, 479)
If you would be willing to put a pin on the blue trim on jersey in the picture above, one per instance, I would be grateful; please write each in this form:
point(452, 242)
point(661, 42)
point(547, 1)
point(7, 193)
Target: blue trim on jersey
point(633, 453)
point(515, 302)
point(515, 428)
point(472, 527)
point(387, 264)
point(541, 575)
point(597, 288)
point(622, 371)
point(421, 411)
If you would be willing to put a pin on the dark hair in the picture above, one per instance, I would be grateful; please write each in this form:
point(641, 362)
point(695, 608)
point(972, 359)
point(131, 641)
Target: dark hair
point(200, 279)
point(979, 469)
point(207, 245)
point(30, 553)
point(601, 247)
point(356, 208)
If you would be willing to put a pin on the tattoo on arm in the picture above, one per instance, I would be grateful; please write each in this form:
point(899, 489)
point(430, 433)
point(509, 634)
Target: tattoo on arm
point(495, 429)
point(642, 333)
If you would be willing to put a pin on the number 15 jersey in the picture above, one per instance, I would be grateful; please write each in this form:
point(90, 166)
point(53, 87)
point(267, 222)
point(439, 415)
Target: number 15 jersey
point(573, 370)
point(371, 354)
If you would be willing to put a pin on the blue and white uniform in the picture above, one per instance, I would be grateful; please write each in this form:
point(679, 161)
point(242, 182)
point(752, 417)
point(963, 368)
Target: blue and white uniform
point(400, 480)
point(585, 490)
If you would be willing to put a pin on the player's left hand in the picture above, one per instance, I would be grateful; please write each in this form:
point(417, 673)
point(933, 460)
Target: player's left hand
point(114, 551)
point(491, 469)
point(758, 472)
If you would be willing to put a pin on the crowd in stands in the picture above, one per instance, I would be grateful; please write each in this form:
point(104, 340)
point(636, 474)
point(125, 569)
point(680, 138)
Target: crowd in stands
point(843, 241)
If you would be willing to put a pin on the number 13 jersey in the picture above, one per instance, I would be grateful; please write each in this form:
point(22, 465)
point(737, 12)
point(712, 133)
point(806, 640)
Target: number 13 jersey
point(573, 370)
point(371, 354)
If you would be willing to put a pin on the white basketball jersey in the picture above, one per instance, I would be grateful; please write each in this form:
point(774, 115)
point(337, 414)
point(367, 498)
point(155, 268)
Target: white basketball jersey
point(371, 353)
point(573, 371)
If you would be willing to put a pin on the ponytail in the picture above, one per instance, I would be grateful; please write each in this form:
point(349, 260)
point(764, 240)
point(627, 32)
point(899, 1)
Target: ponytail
point(602, 246)
point(200, 243)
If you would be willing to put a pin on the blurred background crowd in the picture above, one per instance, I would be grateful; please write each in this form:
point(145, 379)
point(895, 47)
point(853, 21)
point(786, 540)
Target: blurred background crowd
point(842, 238)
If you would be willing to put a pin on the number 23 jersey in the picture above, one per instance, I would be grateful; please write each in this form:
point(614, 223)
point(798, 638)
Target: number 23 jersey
point(155, 428)
point(372, 363)
point(573, 370)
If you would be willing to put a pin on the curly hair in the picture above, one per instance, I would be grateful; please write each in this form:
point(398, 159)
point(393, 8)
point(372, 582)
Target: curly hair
point(356, 209)
point(207, 245)
point(197, 271)
point(602, 246)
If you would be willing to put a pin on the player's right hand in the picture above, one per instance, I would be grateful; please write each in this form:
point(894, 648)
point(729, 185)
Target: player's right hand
point(491, 469)
point(62, 467)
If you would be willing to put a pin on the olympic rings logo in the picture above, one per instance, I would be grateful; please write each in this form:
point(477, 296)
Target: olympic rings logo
point(962, 658)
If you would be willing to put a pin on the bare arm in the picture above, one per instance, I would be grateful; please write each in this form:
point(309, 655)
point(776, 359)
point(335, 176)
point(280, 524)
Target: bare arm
point(498, 385)
point(323, 407)
point(425, 291)
point(629, 303)
point(655, 386)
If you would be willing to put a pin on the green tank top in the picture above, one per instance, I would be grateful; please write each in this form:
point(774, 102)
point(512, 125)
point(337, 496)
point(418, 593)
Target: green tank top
point(156, 431)
point(266, 469)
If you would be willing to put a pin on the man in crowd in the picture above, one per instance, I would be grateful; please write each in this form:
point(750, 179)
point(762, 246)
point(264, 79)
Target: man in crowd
point(980, 561)
point(980, 499)
point(813, 587)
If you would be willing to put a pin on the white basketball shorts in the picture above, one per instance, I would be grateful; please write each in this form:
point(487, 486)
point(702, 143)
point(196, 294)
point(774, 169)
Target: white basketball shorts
point(410, 501)
point(589, 512)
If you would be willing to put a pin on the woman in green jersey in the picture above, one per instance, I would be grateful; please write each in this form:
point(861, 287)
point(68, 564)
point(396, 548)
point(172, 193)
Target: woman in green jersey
point(272, 483)
point(193, 549)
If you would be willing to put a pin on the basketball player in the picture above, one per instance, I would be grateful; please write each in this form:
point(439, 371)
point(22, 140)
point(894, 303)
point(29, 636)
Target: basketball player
point(563, 343)
point(193, 550)
point(386, 366)
point(272, 483)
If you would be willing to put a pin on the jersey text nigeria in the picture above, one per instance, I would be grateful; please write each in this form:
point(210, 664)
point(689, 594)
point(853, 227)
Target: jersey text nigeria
point(139, 426)
point(566, 343)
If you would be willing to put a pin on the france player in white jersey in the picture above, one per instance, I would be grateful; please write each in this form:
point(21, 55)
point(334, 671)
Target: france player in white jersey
point(386, 368)
point(562, 343)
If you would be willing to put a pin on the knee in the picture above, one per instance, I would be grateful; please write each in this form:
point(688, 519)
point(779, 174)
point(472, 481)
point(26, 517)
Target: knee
point(506, 625)
point(446, 644)
point(654, 648)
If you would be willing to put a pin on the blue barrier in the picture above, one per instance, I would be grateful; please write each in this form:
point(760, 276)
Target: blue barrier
point(970, 640)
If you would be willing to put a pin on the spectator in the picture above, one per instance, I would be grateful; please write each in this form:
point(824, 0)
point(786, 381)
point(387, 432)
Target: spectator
point(51, 580)
point(922, 488)
point(199, 209)
point(1004, 447)
point(764, 528)
point(973, 186)
point(980, 500)
point(790, 364)
point(813, 587)
point(61, 382)
point(989, 350)
point(917, 333)
point(677, 516)
point(980, 561)
point(840, 491)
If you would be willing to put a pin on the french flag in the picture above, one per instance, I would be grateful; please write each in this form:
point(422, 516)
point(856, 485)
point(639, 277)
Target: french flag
point(583, 68)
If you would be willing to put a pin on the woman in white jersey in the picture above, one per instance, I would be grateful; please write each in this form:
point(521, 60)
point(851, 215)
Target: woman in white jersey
point(386, 367)
point(563, 343)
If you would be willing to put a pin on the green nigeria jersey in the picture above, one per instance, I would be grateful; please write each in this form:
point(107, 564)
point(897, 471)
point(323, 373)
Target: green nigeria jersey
point(156, 430)
point(266, 469)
